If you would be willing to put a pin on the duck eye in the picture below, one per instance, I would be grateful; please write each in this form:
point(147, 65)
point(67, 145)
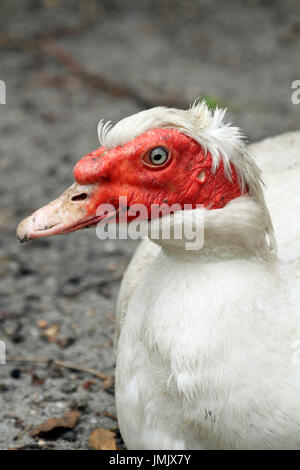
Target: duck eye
point(158, 156)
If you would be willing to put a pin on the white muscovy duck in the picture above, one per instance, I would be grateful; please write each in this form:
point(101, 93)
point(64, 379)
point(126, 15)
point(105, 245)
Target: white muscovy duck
point(206, 337)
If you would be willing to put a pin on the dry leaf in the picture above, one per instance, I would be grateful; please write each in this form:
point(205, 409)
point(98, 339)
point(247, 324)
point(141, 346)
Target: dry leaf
point(102, 439)
point(67, 421)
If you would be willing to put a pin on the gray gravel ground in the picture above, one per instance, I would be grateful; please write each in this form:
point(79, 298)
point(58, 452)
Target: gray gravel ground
point(243, 54)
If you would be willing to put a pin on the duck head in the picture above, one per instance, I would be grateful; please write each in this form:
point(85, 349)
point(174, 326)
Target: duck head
point(157, 157)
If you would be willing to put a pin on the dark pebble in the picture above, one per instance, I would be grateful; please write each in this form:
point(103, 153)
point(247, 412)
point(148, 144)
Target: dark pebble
point(69, 436)
point(68, 387)
point(15, 373)
point(4, 388)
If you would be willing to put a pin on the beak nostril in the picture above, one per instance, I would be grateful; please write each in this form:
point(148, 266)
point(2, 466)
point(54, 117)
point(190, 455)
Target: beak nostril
point(79, 197)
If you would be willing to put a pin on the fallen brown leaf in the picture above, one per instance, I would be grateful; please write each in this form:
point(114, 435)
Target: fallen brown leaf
point(66, 421)
point(102, 439)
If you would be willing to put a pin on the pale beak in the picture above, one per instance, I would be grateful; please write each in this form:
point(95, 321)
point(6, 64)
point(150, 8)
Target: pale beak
point(69, 212)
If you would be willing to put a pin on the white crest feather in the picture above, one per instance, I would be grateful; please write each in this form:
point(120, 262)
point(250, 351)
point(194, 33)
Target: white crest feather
point(102, 130)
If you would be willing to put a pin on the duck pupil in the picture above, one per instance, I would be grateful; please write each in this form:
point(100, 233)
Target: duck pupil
point(158, 157)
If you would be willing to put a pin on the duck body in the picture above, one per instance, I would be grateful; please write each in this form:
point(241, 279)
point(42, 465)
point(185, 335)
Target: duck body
point(208, 338)
point(209, 366)
point(206, 352)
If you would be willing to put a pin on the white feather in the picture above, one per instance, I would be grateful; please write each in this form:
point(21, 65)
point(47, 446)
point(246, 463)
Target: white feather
point(205, 339)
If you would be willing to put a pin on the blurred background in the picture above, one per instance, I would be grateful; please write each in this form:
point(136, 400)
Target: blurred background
point(66, 65)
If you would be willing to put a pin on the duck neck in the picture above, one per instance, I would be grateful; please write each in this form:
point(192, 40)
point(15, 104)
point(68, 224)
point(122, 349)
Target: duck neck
point(238, 230)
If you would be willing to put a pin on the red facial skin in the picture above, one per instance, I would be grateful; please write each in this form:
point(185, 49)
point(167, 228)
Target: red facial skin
point(186, 178)
point(104, 175)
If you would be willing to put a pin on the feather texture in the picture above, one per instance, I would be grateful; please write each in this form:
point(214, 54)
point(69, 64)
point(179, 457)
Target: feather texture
point(205, 340)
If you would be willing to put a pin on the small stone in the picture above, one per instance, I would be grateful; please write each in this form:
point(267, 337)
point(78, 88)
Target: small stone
point(42, 323)
point(69, 436)
point(52, 331)
point(15, 373)
point(60, 404)
point(4, 388)
point(34, 332)
point(69, 387)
